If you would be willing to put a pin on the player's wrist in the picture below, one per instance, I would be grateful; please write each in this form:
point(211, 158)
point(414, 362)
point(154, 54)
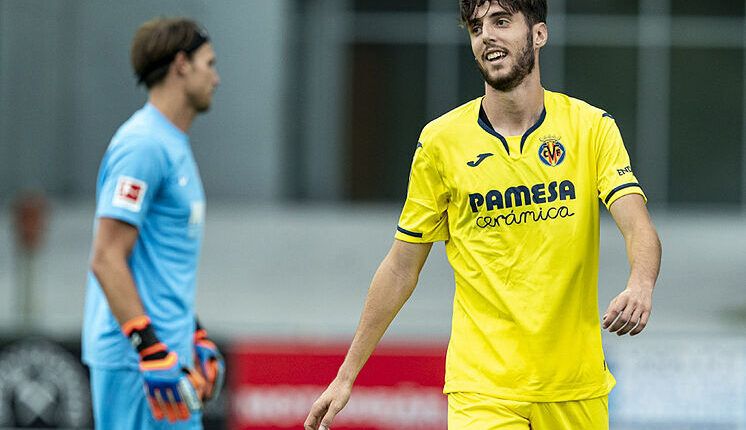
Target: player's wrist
point(346, 377)
point(640, 283)
point(142, 337)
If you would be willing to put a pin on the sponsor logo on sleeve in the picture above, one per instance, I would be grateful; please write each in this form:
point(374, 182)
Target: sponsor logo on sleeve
point(624, 171)
point(129, 193)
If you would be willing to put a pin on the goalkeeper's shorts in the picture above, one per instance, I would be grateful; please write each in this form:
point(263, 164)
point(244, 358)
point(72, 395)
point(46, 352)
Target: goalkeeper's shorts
point(119, 403)
point(480, 411)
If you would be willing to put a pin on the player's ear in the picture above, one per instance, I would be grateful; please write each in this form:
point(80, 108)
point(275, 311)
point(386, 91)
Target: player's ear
point(541, 34)
point(181, 63)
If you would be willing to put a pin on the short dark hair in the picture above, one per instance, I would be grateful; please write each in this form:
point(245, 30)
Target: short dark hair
point(535, 11)
point(156, 44)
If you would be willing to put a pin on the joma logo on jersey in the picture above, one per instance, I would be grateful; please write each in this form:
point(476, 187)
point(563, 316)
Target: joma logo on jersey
point(522, 195)
point(551, 151)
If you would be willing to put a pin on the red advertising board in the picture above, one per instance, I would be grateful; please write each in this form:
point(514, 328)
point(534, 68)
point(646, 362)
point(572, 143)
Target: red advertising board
point(274, 384)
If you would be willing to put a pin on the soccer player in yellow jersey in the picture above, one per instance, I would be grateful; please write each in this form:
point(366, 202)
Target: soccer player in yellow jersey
point(511, 182)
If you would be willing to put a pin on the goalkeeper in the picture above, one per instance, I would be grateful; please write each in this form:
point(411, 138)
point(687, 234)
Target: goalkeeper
point(152, 364)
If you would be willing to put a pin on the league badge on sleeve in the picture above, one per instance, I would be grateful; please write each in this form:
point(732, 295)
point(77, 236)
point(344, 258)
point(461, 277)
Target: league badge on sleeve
point(129, 193)
point(551, 151)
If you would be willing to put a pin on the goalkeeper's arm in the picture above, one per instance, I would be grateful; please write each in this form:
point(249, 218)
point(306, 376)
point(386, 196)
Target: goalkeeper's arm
point(173, 392)
point(112, 246)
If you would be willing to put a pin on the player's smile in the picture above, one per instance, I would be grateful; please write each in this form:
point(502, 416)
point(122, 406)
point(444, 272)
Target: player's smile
point(495, 56)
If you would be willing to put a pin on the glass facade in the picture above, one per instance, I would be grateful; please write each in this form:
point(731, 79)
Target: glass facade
point(706, 125)
point(606, 77)
point(621, 7)
point(724, 8)
point(680, 93)
point(386, 114)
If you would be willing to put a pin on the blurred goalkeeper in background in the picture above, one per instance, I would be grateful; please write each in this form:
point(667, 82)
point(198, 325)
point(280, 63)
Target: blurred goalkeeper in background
point(511, 182)
point(151, 362)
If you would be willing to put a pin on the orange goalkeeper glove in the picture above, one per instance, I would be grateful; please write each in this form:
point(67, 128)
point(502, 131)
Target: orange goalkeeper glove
point(173, 391)
point(209, 361)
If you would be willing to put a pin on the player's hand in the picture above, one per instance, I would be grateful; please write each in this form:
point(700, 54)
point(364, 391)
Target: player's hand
point(629, 311)
point(173, 392)
point(328, 405)
point(210, 363)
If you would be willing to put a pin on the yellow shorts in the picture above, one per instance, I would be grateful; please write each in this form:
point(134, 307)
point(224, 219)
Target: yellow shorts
point(474, 411)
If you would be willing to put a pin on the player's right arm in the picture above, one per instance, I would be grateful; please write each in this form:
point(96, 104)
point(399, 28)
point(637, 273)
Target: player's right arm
point(112, 246)
point(172, 392)
point(130, 176)
point(393, 283)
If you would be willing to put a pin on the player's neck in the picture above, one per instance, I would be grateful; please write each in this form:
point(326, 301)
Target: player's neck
point(513, 112)
point(174, 106)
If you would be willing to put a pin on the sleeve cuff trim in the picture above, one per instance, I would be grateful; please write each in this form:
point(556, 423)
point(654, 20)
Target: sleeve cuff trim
point(407, 232)
point(619, 188)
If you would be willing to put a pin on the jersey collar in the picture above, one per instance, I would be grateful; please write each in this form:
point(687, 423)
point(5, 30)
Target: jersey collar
point(164, 122)
point(484, 122)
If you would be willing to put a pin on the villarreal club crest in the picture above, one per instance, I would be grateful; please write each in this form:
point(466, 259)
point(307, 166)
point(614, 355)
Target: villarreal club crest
point(551, 151)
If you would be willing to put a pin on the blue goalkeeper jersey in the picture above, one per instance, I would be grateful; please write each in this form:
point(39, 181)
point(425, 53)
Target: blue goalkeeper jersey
point(148, 178)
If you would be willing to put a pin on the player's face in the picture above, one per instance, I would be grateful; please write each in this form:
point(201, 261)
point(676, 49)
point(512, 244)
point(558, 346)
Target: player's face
point(202, 79)
point(503, 45)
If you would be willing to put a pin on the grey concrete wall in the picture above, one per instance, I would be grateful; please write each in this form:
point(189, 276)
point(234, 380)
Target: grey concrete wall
point(301, 272)
point(67, 85)
point(304, 271)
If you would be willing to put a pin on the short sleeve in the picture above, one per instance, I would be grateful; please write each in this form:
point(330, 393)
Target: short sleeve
point(424, 218)
point(131, 174)
point(614, 172)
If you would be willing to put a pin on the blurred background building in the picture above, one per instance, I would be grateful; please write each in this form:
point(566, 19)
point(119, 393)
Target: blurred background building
point(305, 158)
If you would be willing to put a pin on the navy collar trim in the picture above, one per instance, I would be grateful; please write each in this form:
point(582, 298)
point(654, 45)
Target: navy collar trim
point(484, 122)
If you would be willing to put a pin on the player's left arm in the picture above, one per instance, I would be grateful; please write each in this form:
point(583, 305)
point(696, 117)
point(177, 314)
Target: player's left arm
point(629, 311)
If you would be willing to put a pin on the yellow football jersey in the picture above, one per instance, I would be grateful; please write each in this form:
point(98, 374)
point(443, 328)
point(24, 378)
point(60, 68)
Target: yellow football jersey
point(520, 218)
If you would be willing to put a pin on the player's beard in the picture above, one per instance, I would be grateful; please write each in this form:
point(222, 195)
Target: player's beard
point(200, 104)
point(523, 66)
point(199, 101)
